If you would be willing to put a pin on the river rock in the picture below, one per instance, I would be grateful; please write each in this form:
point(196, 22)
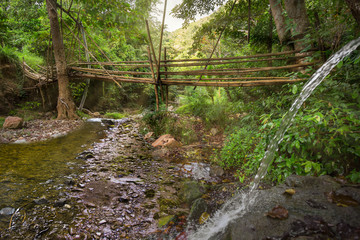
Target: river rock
point(197, 209)
point(41, 200)
point(216, 171)
point(13, 123)
point(7, 211)
point(305, 218)
point(3, 140)
point(191, 191)
point(166, 141)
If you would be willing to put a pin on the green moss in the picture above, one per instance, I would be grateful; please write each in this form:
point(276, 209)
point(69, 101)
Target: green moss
point(114, 115)
point(165, 220)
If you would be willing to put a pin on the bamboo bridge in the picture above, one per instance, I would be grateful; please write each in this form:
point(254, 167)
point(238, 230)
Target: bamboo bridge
point(223, 72)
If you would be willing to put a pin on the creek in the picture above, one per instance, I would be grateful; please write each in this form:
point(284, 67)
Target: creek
point(30, 171)
point(236, 207)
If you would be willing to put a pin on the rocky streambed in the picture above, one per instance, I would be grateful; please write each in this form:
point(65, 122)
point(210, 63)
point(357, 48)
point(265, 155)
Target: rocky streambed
point(126, 189)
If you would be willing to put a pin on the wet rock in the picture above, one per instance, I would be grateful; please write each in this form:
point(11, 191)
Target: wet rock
point(41, 200)
point(7, 211)
point(150, 193)
point(213, 131)
point(20, 140)
point(197, 209)
point(148, 135)
point(108, 122)
point(3, 140)
point(191, 191)
point(216, 171)
point(166, 141)
point(60, 203)
point(13, 123)
point(311, 219)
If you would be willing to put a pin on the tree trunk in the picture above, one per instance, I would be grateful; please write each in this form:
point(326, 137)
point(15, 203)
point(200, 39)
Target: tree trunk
point(279, 19)
point(65, 105)
point(354, 6)
point(296, 11)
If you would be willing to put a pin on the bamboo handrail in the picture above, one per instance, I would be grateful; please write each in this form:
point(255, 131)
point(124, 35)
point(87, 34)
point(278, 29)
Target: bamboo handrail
point(235, 72)
point(101, 71)
point(232, 84)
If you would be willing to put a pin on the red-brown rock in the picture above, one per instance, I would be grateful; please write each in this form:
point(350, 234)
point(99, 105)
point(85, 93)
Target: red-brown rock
point(13, 122)
point(166, 141)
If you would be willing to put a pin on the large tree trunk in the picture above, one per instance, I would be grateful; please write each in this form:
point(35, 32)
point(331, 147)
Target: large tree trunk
point(354, 6)
point(279, 19)
point(296, 11)
point(65, 106)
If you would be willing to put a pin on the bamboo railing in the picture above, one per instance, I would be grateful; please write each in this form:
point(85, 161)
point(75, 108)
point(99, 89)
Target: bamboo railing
point(225, 72)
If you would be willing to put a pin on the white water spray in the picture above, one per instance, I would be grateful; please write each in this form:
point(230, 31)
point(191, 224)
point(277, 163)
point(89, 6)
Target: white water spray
point(238, 205)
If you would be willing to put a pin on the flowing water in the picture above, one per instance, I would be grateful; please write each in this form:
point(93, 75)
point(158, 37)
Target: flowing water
point(238, 205)
point(29, 171)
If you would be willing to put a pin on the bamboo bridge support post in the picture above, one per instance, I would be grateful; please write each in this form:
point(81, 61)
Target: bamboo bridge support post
point(166, 86)
point(89, 66)
point(154, 79)
point(158, 81)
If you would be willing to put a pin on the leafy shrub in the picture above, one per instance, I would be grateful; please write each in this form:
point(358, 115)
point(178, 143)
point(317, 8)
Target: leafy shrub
point(163, 122)
point(323, 138)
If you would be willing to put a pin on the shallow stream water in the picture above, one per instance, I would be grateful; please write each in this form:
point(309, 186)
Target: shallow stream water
point(30, 171)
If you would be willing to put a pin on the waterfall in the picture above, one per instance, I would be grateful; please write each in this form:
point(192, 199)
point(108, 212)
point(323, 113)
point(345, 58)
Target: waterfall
point(237, 206)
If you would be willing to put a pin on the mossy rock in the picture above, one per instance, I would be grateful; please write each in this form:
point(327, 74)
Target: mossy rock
point(165, 220)
point(191, 191)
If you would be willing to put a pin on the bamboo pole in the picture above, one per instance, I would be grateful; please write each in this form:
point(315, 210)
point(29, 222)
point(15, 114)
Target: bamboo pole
point(166, 86)
point(154, 80)
point(83, 99)
point(235, 72)
point(242, 57)
point(158, 80)
point(101, 71)
point(150, 40)
point(233, 84)
point(80, 76)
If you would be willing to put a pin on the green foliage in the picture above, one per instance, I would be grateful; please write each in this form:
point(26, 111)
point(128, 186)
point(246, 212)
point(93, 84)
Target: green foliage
point(82, 115)
point(2, 120)
point(114, 115)
point(323, 138)
point(210, 104)
point(77, 90)
point(30, 105)
point(163, 122)
point(354, 176)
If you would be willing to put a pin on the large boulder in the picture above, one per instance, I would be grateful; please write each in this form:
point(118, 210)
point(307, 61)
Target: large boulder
point(13, 123)
point(318, 208)
point(166, 141)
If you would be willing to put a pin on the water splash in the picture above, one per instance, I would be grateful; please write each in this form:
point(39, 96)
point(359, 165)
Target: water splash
point(238, 205)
